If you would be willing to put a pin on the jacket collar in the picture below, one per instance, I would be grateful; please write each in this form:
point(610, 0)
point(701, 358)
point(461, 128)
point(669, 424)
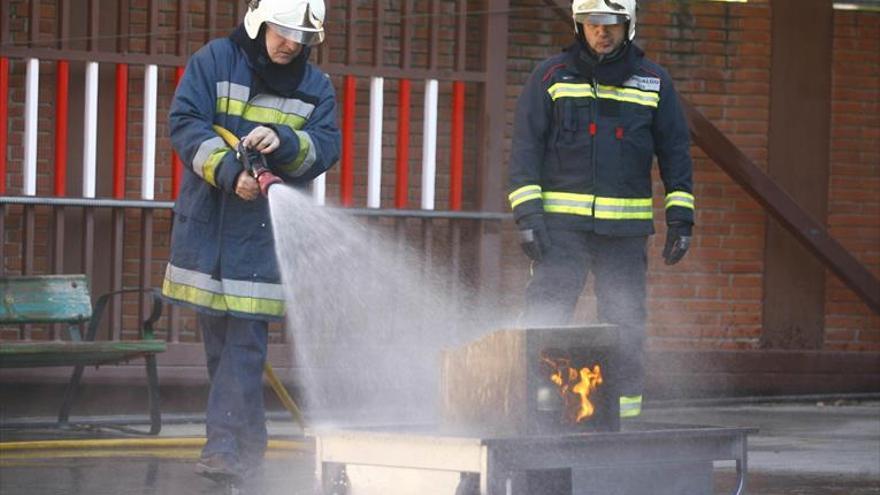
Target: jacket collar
point(612, 71)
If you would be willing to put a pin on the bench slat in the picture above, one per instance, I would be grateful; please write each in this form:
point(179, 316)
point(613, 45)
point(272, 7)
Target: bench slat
point(45, 299)
point(39, 354)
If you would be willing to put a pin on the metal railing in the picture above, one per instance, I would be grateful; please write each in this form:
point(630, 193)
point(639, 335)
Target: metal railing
point(442, 238)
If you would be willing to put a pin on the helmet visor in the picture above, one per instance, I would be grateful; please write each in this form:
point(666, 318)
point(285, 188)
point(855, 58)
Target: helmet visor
point(307, 38)
point(599, 19)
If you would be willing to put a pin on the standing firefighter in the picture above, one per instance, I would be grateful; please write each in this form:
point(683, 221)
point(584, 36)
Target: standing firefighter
point(256, 84)
point(588, 124)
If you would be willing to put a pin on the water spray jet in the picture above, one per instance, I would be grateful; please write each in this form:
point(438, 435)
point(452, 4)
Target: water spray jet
point(369, 323)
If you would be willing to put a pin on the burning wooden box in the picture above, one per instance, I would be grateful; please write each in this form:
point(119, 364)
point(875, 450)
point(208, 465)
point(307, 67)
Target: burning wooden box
point(534, 381)
point(531, 411)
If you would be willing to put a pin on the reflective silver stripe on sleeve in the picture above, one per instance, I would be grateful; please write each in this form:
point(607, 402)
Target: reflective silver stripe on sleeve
point(204, 151)
point(682, 199)
point(520, 195)
point(311, 156)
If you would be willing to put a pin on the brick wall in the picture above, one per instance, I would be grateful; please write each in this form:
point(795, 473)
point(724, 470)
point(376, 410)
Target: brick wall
point(719, 56)
point(717, 53)
point(854, 186)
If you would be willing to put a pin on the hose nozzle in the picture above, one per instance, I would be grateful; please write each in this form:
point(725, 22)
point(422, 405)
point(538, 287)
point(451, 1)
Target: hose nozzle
point(255, 163)
point(266, 179)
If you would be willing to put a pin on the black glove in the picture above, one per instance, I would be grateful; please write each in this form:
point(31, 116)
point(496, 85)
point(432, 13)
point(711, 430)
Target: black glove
point(678, 240)
point(533, 237)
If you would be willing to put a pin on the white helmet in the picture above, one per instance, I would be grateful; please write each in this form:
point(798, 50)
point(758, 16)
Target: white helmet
point(605, 12)
point(301, 21)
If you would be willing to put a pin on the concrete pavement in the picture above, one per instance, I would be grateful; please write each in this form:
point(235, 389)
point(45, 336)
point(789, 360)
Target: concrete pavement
point(804, 448)
point(817, 447)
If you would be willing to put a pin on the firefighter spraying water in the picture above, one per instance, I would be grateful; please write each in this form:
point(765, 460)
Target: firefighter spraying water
point(250, 112)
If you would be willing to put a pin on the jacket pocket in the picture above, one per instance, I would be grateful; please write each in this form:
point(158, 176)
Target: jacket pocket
point(573, 139)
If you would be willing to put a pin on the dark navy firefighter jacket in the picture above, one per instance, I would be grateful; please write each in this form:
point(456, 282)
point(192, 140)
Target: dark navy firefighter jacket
point(583, 148)
point(222, 254)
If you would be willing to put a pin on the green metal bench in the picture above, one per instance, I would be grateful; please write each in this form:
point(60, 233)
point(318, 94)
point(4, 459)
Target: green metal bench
point(66, 299)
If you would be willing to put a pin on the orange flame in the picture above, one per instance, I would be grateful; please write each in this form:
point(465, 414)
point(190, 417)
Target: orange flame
point(574, 386)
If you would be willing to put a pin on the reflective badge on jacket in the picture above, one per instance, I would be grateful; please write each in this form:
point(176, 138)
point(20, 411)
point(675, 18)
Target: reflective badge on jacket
point(643, 83)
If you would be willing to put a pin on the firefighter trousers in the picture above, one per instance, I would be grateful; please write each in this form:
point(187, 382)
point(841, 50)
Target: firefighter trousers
point(235, 419)
point(619, 267)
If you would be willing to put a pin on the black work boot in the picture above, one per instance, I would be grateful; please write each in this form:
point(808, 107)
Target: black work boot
point(217, 467)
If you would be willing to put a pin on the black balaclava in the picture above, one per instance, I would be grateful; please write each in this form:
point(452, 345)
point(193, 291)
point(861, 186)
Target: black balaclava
point(280, 79)
point(611, 69)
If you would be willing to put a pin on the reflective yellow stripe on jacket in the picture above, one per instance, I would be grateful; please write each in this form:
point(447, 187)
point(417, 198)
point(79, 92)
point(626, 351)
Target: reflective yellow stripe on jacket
point(306, 157)
point(234, 99)
point(584, 90)
point(599, 206)
point(624, 208)
point(523, 194)
point(680, 198)
point(570, 203)
point(241, 296)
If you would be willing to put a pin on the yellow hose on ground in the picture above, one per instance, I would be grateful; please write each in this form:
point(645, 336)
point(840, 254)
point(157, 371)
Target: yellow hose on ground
point(28, 457)
point(112, 443)
point(282, 394)
point(25, 452)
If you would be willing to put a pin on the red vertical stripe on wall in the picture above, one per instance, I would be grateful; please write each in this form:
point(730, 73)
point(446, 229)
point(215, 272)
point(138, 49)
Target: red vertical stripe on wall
point(4, 119)
point(176, 163)
point(120, 131)
point(457, 145)
point(346, 186)
point(62, 89)
point(401, 186)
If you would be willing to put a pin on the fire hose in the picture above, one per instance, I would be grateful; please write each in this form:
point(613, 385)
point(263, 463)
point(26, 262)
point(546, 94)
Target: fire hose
point(283, 396)
point(105, 447)
point(255, 163)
